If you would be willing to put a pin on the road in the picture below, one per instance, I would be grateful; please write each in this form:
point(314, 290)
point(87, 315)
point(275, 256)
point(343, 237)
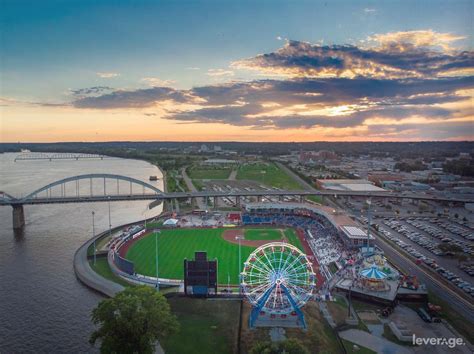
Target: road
point(189, 183)
point(458, 303)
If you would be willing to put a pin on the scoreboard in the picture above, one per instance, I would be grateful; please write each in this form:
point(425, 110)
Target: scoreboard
point(200, 275)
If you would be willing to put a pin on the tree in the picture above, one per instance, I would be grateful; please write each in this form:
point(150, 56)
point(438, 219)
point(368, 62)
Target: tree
point(449, 247)
point(288, 346)
point(132, 321)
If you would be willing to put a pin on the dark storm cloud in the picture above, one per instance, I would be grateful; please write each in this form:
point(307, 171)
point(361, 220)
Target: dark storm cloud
point(95, 90)
point(330, 91)
point(237, 116)
point(131, 99)
point(235, 103)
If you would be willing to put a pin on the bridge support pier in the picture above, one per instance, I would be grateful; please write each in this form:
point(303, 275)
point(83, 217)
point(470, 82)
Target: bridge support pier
point(215, 202)
point(302, 199)
point(237, 200)
point(18, 216)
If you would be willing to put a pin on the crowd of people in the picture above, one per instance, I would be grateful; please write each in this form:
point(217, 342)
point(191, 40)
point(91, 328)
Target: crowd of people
point(321, 235)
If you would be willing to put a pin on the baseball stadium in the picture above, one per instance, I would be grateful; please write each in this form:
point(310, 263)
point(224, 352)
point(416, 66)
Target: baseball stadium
point(155, 252)
point(277, 260)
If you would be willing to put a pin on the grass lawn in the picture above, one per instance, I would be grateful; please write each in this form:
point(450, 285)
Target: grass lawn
point(262, 234)
point(198, 184)
point(319, 337)
point(315, 198)
point(207, 326)
point(177, 244)
point(174, 183)
point(102, 268)
point(273, 175)
point(349, 346)
point(203, 172)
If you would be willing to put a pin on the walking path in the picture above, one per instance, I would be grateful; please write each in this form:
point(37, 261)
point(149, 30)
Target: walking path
point(189, 183)
point(233, 175)
point(89, 277)
point(327, 315)
point(377, 344)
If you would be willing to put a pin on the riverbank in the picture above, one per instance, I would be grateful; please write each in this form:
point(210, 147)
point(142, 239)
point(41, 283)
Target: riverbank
point(90, 277)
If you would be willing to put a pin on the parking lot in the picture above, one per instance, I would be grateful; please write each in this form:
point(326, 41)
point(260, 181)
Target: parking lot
point(421, 237)
point(236, 186)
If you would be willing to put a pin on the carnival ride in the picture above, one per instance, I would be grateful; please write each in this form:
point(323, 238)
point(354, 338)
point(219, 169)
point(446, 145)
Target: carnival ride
point(277, 279)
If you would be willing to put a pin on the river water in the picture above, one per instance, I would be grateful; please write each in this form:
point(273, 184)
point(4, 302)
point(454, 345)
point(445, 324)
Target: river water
point(43, 307)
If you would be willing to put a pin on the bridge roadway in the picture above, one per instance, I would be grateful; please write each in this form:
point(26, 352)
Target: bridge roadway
point(9, 200)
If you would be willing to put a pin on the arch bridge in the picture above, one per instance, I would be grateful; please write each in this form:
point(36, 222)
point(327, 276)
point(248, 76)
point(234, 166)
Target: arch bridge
point(96, 187)
point(28, 156)
point(111, 187)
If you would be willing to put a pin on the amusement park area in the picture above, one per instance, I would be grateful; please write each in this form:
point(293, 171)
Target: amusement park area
point(272, 272)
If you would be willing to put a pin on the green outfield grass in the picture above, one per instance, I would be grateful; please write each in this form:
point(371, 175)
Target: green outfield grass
point(268, 174)
point(262, 234)
point(176, 244)
point(293, 239)
point(203, 172)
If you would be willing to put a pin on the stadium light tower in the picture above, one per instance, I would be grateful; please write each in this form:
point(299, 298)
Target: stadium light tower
point(93, 234)
point(156, 254)
point(239, 238)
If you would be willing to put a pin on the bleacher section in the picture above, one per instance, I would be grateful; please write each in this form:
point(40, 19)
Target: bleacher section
point(319, 233)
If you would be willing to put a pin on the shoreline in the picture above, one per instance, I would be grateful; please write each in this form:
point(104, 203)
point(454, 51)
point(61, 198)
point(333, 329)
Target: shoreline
point(90, 278)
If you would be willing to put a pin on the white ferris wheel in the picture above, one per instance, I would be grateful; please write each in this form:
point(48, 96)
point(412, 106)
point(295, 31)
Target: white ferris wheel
point(277, 278)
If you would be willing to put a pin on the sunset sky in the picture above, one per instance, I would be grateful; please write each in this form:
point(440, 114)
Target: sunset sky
point(236, 70)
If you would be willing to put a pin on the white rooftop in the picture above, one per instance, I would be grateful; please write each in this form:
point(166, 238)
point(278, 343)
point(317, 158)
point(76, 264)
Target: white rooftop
point(354, 232)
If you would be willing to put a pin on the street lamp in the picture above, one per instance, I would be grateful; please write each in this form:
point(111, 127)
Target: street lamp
point(349, 313)
point(369, 202)
point(239, 238)
point(110, 220)
point(93, 235)
point(146, 209)
point(156, 254)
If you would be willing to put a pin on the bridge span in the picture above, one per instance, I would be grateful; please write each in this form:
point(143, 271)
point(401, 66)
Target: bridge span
point(71, 190)
point(32, 156)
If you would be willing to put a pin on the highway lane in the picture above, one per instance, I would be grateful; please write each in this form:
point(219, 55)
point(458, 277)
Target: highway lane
point(457, 302)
